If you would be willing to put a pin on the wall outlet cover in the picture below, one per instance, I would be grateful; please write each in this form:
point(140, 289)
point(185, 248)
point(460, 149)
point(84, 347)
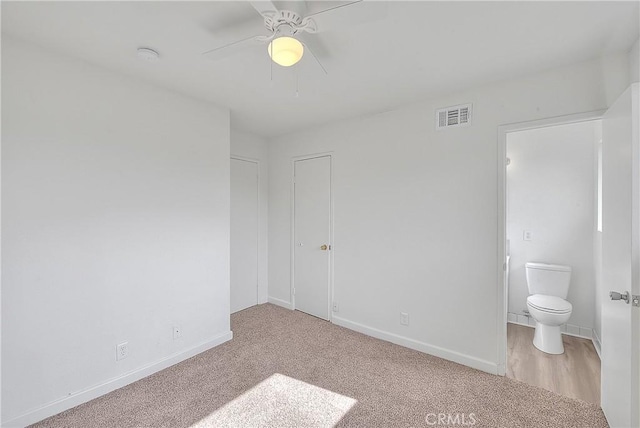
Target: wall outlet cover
point(177, 332)
point(122, 351)
point(404, 318)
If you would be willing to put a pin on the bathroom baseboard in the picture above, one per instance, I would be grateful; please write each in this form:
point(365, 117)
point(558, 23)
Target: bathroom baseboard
point(582, 336)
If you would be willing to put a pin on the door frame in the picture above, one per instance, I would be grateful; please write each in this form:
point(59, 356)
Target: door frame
point(258, 213)
point(292, 296)
point(503, 130)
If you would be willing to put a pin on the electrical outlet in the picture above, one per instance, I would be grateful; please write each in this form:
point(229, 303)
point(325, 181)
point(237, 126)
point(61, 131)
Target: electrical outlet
point(122, 351)
point(404, 318)
point(527, 235)
point(177, 332)
point(335, 307)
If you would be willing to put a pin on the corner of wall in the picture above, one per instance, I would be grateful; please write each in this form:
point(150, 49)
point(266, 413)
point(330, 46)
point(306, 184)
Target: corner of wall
point(634, 62)
point(615, 69)
point(280, 302)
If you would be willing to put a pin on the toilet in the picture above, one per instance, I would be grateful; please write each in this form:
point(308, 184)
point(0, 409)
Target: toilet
point(548, 287)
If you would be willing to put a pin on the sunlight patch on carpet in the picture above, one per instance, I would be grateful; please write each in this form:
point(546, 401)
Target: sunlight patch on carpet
point(283, 402)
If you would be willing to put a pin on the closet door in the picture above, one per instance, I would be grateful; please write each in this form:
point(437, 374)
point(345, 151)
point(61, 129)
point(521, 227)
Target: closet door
point(244, 234)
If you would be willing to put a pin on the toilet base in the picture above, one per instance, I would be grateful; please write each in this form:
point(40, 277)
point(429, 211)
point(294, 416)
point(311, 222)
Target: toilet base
point(548, 338)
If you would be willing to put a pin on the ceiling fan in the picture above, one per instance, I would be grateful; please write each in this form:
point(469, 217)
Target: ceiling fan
point(290, 33)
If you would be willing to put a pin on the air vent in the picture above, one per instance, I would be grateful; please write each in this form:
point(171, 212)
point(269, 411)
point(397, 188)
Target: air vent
point(456, 116)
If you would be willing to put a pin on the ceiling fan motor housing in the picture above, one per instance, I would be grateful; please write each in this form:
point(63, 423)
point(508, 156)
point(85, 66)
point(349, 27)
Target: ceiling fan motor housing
point(285, 22)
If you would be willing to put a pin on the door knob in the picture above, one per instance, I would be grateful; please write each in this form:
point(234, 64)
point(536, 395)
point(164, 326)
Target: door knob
point(614, 295)
point(324, 248)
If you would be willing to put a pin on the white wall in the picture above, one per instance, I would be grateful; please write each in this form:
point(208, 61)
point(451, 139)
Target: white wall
point(551, 183)
point(115, 220)
point(253, 147)
point(601, 293)
point(634, 62)
point(416, 209)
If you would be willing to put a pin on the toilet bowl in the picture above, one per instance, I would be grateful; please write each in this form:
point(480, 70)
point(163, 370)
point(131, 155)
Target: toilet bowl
point(549, 312)
point(548, 287)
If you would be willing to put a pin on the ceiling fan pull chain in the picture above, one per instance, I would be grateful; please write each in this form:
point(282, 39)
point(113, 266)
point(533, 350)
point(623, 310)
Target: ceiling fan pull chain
point(297, 78)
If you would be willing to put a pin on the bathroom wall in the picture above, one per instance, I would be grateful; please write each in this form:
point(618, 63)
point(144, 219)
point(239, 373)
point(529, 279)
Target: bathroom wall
point(551, 194)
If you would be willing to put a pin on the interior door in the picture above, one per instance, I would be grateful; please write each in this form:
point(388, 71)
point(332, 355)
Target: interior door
point(620, 261)
point(312, 233)
point(244, 234)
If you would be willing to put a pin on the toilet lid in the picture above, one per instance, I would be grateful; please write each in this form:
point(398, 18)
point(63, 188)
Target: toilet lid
point(546, 303)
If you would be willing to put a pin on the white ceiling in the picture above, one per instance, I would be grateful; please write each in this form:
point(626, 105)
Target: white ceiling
point(417, 50)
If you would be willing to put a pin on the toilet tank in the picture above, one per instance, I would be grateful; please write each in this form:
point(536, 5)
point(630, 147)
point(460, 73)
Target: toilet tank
point(552, 280)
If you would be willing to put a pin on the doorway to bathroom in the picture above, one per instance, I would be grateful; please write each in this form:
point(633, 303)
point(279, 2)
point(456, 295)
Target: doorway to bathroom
point(552, 247)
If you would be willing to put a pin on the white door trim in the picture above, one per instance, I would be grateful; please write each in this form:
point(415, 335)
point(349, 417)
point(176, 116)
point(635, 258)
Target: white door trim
point(258, 214)
point(292, 243)
point(503, 130)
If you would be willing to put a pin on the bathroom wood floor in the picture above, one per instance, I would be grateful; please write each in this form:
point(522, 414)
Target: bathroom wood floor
point(575, 374)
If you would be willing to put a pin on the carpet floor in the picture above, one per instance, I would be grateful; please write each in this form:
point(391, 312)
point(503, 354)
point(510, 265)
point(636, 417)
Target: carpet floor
point(287, 369)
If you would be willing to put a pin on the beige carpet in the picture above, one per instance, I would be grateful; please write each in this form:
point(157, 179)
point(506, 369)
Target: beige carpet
point(288, 369)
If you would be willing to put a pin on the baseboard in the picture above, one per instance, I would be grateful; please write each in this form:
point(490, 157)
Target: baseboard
point(96, 391)
point(447, 354)
point(280, 302)
point(563, 332)
point(596, 343)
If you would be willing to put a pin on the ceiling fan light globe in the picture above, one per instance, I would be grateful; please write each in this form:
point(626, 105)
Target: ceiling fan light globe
point(285, 51)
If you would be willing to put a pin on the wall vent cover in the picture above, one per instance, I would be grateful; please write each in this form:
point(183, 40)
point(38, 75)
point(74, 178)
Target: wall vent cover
point(456, 116)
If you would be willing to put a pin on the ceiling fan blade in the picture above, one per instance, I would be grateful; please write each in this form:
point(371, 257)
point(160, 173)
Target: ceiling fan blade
point(314, 43)
point(346, 15)
point(235, 47)
point(310, 50)
point(237, 30)
point(264, 7)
